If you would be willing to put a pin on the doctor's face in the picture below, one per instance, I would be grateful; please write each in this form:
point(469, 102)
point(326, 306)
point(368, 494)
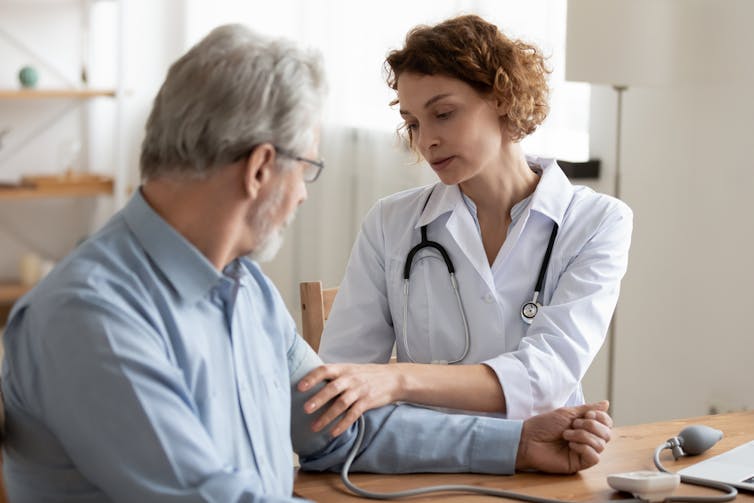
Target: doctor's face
point(457, 131)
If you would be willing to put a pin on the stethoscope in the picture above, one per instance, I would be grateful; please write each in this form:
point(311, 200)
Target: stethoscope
point(529, 309)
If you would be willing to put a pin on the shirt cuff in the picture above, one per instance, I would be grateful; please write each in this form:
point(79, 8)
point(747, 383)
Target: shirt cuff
point(514, 381)
point(495, 445)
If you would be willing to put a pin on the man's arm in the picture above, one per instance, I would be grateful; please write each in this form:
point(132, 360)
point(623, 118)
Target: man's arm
point(404, 438)
point(400, 438)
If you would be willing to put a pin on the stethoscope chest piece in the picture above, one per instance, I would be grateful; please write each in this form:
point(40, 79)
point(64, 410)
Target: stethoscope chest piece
point(529, 311)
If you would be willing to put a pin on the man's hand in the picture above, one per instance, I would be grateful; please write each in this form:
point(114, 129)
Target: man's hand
point(565, 440)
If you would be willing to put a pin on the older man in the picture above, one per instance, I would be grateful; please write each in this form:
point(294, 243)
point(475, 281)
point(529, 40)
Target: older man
point(158, 363)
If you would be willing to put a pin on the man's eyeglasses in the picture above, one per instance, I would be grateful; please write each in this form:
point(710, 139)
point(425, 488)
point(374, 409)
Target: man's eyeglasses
point(313, 168)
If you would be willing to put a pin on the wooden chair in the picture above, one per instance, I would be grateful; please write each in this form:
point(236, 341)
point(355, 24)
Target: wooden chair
point(315, 308)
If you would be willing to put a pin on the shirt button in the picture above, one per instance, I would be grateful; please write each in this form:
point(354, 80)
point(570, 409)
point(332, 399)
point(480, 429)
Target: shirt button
point(488, 298)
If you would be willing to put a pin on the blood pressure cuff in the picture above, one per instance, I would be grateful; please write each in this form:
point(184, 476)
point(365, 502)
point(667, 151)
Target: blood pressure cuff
point(301, 360)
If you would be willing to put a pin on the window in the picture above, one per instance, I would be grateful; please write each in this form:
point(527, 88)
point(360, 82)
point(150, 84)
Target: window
point(354, 38)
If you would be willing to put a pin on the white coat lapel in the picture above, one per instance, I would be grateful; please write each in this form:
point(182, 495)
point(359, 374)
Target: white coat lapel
point(460, 225)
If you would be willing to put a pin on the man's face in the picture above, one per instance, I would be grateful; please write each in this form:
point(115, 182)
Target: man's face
point(277, 209)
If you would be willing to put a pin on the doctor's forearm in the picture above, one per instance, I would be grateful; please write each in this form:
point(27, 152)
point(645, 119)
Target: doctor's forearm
point(467, 387)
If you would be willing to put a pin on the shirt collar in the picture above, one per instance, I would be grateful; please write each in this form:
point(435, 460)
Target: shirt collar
point(551, 197)
point(554, 191)
point(187, 270)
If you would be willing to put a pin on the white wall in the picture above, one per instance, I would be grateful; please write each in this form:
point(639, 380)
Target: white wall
point(684, 332)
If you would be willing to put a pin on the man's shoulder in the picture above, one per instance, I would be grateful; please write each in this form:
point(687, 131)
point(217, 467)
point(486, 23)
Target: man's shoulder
point(109, 266)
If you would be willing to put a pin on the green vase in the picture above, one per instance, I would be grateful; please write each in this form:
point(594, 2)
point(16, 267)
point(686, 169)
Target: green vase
point(28, 76)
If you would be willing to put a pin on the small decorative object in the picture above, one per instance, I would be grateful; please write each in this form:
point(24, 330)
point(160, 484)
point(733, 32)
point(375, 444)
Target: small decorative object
point(29, 268)
point(28, 77)
point(45, 267)
point(32, 268)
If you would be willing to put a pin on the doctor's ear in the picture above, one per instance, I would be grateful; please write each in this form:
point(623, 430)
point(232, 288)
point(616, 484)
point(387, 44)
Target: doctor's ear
point(501, 106)
point(259, 167)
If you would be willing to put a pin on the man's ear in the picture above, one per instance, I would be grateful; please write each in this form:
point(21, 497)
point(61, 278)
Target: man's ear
point(259, 168)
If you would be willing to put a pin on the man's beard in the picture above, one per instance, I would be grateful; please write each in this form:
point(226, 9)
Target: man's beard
point(271, 239)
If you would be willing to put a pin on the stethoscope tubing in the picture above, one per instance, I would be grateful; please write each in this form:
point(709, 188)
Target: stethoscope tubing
point(528, 310)
point(467, 334)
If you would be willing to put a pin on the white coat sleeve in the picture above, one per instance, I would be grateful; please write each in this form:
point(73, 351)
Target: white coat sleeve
point(360, 328)
point(568, 332)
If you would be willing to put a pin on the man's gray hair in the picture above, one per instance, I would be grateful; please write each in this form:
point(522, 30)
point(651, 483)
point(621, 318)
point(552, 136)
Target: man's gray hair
point(233, 90)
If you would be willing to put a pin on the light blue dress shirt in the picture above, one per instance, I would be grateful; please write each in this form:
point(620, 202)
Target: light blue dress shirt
point(138, 372)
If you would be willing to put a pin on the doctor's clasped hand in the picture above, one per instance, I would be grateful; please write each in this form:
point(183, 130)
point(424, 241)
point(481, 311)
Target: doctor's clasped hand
point(565, 440)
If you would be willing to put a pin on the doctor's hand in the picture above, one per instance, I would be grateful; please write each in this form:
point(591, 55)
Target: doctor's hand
point(565, 440)
point(354, 389)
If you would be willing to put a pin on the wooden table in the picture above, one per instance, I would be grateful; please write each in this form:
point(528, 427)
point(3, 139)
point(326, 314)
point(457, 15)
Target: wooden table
point(631, 449)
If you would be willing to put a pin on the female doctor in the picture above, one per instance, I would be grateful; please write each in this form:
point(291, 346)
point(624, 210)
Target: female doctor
point(495, 285)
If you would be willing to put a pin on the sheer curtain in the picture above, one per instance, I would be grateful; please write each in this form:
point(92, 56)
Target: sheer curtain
point(365, 160)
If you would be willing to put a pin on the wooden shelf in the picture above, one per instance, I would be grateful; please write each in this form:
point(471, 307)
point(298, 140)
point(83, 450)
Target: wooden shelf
point(24, 94)
point(11, 292)
point(82, 189)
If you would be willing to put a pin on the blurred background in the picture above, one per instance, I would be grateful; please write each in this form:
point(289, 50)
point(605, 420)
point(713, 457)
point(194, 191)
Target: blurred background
point(658, 91)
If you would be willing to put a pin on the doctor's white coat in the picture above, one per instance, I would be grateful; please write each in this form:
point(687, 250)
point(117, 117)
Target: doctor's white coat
point(539, 366)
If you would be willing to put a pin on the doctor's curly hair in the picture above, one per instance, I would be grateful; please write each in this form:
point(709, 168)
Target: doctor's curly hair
point(475, 51)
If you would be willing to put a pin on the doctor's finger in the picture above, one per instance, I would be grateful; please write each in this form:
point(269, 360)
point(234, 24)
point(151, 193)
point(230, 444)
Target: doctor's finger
point(601, 416)
point(594, 427)
point(356, 411)
point(319, 374)
point(584, 437)
point(331, 390)
point(336, 409)
point(586, 456)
